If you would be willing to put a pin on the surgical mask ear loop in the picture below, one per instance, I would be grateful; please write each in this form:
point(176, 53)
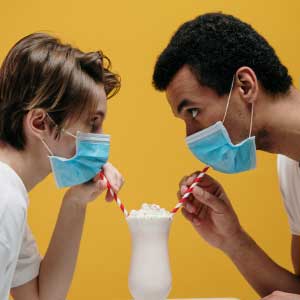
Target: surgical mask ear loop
point(68, 133)
point(63, 130)
point(47, 147)
point(251, 121)
point(227, 106)
point(228, 100)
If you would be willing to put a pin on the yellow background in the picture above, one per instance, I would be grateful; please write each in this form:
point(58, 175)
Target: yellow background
point(148, 142)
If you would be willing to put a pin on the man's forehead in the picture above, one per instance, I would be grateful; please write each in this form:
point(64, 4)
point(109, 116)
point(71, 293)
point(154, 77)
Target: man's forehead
point(183, 84)
point(184, 78)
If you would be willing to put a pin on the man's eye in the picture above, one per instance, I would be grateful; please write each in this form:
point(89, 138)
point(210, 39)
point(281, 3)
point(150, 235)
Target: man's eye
point(194, 112)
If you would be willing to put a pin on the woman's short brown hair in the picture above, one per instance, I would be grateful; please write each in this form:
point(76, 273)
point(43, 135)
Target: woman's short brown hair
point(42, 72)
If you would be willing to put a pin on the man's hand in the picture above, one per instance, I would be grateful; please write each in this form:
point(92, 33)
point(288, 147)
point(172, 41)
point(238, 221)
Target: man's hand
point(210, 212)
point(281, 296)
point(87, 192)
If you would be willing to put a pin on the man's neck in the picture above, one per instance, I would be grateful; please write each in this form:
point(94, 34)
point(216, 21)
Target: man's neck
point(25, 164)
point(283, 125)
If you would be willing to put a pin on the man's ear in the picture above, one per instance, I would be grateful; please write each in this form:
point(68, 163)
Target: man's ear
point(247, 84)
point(37, 123)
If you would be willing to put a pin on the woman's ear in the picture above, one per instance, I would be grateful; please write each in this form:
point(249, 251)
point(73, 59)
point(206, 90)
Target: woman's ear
point(37, 123)
point(247, 84)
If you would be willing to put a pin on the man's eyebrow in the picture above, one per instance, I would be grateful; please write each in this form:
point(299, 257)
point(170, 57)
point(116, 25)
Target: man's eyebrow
point(183, 104)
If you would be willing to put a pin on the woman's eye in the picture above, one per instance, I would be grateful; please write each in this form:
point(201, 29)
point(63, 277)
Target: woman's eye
point(194, 112)
point(95, 125)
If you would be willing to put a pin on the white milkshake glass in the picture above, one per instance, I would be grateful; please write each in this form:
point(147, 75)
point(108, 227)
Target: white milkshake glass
point(150, 276)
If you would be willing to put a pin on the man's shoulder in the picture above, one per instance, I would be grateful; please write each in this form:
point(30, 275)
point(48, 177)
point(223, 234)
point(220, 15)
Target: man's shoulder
point(287, 166)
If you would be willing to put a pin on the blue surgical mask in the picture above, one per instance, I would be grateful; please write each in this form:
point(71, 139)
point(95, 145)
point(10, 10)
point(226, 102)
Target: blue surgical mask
point(92, 151)
point(214, 147)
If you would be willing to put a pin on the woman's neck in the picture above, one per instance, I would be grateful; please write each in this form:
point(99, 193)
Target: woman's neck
point(27, 164)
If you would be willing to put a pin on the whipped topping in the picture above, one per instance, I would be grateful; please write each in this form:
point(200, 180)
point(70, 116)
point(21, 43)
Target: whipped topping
point(150, 211)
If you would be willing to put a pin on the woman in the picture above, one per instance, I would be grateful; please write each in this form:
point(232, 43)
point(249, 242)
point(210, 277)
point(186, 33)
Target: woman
point(52, 107)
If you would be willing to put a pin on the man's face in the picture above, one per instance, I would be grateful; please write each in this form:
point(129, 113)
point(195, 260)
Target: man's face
point(200, 107)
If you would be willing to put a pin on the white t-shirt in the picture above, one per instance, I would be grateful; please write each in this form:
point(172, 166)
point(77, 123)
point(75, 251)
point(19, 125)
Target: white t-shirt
point(289, 178)
point(19, 256)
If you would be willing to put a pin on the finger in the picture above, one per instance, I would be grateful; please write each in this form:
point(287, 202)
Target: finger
point(191, 178)
point(120, 181)
point(186, 182)
point(99, 187)
point(187, 215)
point(116, 183)
point(114, 177)
point(211, 185)
point(208, 199)
point(183, 189)
point(202, 214)
point(199, 206)
point(109, 173)
point(191, 204)
point(102, 186)
point(188, 205)
point(91, 186)
point(96, 188)
point(109, 197)
point(191, 217)
point(179, 195)
point(182, 181)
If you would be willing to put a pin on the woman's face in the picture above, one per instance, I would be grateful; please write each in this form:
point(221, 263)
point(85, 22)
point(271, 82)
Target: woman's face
point(65, 145)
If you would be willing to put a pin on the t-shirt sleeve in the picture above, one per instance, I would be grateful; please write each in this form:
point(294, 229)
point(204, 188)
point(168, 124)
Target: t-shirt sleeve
point(289, 179)
point(29, 260)
point(5, 259)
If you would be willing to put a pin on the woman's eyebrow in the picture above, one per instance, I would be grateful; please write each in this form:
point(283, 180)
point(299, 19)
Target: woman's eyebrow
point(100, 113)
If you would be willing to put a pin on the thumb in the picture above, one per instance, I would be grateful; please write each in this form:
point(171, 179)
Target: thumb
point(94, 187)
point(100, 181)
point(209, 200)
point(102, 186)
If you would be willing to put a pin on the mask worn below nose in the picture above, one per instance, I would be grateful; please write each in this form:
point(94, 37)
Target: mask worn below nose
point(92, 152)
point(214, 147)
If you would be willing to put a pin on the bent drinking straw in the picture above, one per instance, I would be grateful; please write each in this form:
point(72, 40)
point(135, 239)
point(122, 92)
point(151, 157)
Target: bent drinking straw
point(189, 190)
point(115, 196)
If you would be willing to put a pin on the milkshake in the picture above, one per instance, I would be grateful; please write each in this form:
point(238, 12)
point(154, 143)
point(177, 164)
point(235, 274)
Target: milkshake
point(150, 275)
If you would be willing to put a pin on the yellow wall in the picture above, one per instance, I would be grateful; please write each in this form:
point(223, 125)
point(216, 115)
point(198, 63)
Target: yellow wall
point(148, 143)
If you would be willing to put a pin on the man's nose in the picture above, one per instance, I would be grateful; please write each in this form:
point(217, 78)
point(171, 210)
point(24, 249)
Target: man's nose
point(190, 129)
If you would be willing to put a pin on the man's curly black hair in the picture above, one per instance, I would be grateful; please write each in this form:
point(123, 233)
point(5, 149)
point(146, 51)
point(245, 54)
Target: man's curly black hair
point(214, 46)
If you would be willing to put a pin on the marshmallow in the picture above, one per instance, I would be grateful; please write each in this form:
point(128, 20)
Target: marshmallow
point(150, 211)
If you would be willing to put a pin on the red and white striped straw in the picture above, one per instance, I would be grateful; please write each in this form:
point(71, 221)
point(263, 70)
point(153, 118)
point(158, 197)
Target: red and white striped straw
point(115, 196)
point(189, 190)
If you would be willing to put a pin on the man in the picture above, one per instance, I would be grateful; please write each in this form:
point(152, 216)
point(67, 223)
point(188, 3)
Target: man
point(53, 102)
point(227, 84)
